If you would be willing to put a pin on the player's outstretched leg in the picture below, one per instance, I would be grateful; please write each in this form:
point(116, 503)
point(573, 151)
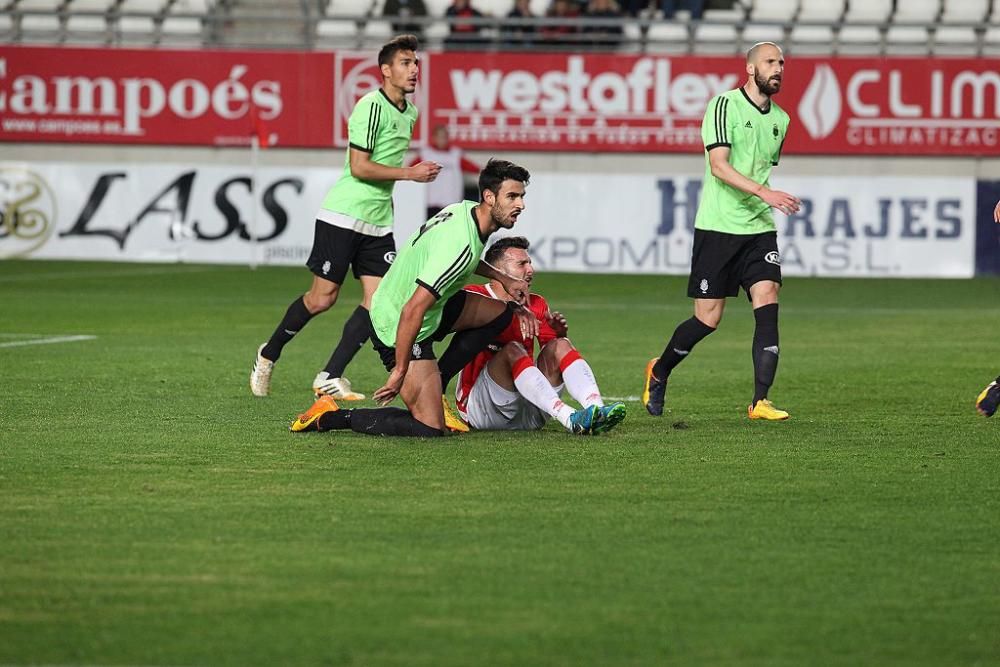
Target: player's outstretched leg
point(325, 415)
point(989, 399)
point(687, 334)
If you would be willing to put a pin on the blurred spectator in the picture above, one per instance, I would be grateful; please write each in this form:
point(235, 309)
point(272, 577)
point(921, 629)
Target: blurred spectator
point(404, 9)
point(670, 7)
point(563, 33)
point(449, 186)
point(463, 32)
point(606, 36)
point(519, 35)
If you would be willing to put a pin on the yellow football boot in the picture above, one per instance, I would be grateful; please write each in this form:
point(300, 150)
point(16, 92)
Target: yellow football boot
point(764, 409)
point(309, 420)
point(452, 422)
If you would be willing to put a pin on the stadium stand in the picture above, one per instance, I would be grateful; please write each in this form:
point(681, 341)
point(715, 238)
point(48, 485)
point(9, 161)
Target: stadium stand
point(862, 27)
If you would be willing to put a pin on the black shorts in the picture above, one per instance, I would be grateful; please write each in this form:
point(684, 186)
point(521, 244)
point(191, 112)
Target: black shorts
point(424, 349)
point(335, 248)
point(723, 263)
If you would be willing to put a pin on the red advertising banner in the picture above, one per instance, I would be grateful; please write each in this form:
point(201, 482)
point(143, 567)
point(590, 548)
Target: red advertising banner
point(136, 96)
point(648, 103)
point(492, 101)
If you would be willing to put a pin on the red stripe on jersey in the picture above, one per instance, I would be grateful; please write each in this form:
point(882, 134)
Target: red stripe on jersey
point(570, 357)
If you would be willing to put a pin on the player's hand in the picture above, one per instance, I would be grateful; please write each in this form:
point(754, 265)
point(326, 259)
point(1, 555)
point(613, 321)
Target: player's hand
point(996, 212)
point(529, 323)
point(384, 395)
point(516, 287)
point(558, 323)
point(782, 201)
point(424, 172)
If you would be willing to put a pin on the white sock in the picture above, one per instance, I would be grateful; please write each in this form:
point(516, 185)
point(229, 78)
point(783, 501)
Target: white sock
point(580, 383)
point(534, 386)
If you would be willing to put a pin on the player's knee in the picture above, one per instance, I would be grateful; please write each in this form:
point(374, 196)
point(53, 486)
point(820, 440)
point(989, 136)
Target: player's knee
point(709, 317)
point(514, 351)
point(318, 301)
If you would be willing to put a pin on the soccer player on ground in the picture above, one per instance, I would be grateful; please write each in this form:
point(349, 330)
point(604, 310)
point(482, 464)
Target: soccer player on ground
point(421, 301)
point(503, 388)
point(989, 398)
point(735, 241)
point(354, 223)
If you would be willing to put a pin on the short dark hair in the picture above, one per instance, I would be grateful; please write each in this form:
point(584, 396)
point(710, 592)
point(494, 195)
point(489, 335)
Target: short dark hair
point(395, 45)
point(496, 172)
point(496, 251)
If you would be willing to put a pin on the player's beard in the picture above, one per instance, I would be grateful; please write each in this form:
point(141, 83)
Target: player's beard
point(765, 85)
point(500, 220)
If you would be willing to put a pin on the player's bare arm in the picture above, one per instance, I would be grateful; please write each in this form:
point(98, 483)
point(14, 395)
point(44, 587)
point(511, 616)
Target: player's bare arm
point(362, 166)
point(996, 212)
point(718, 157)
point(410, 320)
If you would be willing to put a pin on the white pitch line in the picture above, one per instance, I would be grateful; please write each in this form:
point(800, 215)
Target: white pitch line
point(46, 341)
point(623, 399)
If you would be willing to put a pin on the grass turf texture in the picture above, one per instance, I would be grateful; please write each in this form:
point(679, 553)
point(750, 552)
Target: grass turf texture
point(154, 512)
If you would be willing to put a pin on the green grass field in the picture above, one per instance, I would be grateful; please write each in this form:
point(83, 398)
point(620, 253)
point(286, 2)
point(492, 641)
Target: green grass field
point(153, 512)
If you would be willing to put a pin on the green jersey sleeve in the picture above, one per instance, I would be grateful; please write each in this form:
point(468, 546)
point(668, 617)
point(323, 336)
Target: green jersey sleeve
point(362, 127)
point(452, 257)
point(718, 124)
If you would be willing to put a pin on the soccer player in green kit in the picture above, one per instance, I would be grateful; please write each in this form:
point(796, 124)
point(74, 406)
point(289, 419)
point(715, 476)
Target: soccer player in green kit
point(354, 223)
point(421, 301)
point(735, 240)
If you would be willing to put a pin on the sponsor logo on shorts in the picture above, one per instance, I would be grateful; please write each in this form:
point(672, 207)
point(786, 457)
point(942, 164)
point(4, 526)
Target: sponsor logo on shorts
point(773, 258)
point(389, 257)
point(703, 286)
point(416, 351)
point(326, 268)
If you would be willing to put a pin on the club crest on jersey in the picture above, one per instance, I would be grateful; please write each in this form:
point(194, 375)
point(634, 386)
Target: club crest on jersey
point(703, 286)
point(416, 351)
point(389, 257)
point(773, 258)
point(776, 132)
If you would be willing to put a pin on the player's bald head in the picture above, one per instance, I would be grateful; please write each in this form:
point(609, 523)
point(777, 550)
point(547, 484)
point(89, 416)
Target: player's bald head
point(762, 50)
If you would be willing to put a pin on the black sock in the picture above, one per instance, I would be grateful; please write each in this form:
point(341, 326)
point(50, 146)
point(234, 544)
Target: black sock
point(465, 345)
point(765, 350)
point(357, 328)
point(296, 317)
point(376, 421)
point(686, 336)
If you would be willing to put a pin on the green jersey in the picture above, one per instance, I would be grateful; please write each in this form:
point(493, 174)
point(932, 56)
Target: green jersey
point(379, 127)
point(754, 138)
point(440, 256)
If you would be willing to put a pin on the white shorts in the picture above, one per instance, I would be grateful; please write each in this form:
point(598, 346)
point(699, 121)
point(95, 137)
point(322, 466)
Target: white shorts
point(492, 408)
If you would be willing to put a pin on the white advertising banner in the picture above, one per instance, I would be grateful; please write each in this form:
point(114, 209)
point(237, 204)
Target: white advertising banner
point(170, 213)
point(595, 223)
